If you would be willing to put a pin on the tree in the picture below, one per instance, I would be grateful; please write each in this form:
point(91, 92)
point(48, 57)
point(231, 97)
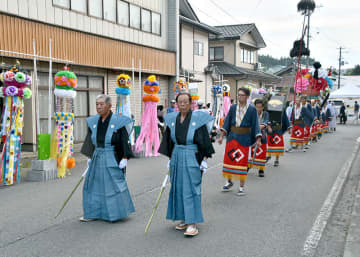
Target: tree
point(355, 70)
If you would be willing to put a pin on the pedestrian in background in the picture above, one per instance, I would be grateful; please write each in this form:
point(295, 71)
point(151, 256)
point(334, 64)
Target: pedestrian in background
point(105, 193)
point(343, 114)
point(171, 108)
point(356, 112)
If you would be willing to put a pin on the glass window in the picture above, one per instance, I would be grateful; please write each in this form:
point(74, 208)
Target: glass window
point(78, 5)
point(156, 23)
point(145, 20)
point(134, 16)
point(110, 10)
point(211, 54)
point(198, 48)
point(95, 8)
point(62, 3)
point(219, 53)
point(123, 13)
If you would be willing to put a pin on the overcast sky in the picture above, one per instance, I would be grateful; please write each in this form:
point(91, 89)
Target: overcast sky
point(335, 24)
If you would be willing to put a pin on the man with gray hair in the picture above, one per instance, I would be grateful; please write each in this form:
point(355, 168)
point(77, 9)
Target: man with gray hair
point(105, 194)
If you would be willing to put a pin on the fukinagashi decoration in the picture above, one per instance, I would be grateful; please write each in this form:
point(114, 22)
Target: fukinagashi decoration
point(179, 87)
point(123, 91)
point(62, 142)
point(14, 90)
point(226, 100)
point(194, 92)
point(149, 134)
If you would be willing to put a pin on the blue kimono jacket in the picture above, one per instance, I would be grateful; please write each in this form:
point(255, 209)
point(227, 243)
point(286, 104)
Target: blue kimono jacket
point(185, 175)
point(264, 122)
point(105, 193)
point(250, 120)
point(306, 115)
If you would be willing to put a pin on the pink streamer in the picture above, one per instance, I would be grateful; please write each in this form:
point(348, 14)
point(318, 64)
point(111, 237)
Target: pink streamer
point(149, 134)
point(226, 106)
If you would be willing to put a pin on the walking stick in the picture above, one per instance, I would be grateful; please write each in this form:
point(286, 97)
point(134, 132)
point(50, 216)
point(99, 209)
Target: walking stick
point(157, 202)
point(72, 192)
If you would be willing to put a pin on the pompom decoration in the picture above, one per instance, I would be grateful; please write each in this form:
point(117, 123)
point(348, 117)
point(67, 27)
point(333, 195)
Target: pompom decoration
point(62, 140)
point(301, 84)
point(70, 163)
point(15, 82)
point(27, 93)
point(149, 128)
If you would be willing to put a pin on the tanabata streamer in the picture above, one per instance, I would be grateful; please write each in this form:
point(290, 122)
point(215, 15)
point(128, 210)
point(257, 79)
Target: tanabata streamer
point(180, 86)
point(194, 92)
point(14, 91)
point(149, 134)
point(62, 141)
point(123, 93)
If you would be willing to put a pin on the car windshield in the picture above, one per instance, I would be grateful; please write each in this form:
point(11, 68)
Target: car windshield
point(338, 103)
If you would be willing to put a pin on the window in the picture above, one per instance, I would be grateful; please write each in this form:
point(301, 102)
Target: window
point(62, 3)
point(216, 53)
point(198, 48)
point(134, 16)
point(79, 5)
point(248, 56)
point(110, 10)
point(145, 20)
point(156, 23)
point(123, 13)
point(95, 8)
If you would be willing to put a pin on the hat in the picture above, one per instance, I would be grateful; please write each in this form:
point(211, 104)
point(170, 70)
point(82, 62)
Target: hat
point(200, 102)
point(173, 101)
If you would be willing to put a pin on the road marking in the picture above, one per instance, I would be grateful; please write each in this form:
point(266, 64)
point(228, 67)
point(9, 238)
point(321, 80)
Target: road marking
point(320, 223)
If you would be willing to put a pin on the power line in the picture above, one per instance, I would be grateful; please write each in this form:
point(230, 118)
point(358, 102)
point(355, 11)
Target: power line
point(207, 15)
point(224, 11)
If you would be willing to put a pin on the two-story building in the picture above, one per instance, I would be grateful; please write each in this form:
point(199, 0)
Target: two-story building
point(100, 39)
point(233, 55)
point(194, 54)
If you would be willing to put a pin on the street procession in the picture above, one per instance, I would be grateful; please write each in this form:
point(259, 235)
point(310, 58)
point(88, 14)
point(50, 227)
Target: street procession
point(156, 128)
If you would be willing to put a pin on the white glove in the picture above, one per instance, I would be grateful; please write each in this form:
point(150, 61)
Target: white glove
point(203, 166)
point(123, 163)
point(168, 165)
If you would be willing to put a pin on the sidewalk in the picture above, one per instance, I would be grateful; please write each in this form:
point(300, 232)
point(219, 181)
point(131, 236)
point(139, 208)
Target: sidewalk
point(352, 245)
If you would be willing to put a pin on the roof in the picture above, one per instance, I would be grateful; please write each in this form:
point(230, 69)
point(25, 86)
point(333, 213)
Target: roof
point(287, 69)
point(348, 91)
point(230, 70)
point(187, 11)
point(236, 31)
point(199, 25)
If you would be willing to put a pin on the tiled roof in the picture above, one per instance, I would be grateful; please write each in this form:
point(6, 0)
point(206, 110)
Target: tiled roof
point(201, 26)
point(228, 69)
point(233, 31)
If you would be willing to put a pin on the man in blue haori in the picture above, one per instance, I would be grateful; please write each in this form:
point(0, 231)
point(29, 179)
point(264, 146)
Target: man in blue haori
point(105, 194)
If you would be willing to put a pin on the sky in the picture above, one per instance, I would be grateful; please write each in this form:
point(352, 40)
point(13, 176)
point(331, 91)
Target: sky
point(333, 24)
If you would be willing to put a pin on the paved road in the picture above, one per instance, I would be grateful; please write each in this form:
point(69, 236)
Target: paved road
point(274, 219)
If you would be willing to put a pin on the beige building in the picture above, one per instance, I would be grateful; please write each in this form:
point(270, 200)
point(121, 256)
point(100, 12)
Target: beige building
point(233, 55)
point(100, 39)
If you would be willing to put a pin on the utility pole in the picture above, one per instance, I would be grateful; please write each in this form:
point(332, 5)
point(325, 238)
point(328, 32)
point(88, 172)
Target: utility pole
point(308, 40)
point(340, 62)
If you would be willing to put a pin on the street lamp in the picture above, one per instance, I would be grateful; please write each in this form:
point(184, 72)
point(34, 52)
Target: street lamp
point(306, 8)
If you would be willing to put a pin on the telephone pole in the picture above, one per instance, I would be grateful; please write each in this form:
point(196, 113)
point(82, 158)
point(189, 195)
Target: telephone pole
point(340, 63)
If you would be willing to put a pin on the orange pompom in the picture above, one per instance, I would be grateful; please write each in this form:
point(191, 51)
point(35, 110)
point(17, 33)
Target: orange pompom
point(151, 89)
point(151, 98)
point(70, 163)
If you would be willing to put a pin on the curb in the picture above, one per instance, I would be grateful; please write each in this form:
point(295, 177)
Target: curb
point(313, 239)
point(352, 245)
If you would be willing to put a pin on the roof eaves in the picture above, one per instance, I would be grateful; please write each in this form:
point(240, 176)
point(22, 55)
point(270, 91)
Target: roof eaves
point(201, 26)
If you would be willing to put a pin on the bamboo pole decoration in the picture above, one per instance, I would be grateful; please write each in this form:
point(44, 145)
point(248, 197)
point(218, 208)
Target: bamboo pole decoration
point(50, 86)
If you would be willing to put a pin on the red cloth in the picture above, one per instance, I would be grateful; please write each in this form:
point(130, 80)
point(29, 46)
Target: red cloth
point(235, 160)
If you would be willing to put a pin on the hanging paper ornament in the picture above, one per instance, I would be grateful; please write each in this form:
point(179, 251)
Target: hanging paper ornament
point(149, 134)
point(301, 84)
point(262, 91)
point(226, 100)
point(15, 89)
point(62, 141)
point(180, 86)
point(123, 92)
point(194, 92)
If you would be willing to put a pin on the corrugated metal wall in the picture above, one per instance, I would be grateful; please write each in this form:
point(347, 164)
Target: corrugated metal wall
point(81, 48)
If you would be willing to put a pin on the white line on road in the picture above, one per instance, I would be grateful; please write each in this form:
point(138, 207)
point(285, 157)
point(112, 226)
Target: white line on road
point(320, 223)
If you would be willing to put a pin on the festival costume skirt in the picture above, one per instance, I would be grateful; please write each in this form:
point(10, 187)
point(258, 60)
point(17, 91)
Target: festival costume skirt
point(326, 126)
point(260, 158)
point(319, 129)
point(185, 192)
point(306, 134)
point(276, 145)
point(105, 194)
point(313, 131)
point(236, 158)
point(297, 135)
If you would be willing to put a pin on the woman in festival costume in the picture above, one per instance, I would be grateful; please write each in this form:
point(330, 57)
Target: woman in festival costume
point(187, 143)
point(275, 139)
point(105, 194)
point(260, 156)
point(241, 128)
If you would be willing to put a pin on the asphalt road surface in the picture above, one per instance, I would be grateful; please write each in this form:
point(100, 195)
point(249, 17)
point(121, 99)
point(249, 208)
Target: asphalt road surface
point(273, 219)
